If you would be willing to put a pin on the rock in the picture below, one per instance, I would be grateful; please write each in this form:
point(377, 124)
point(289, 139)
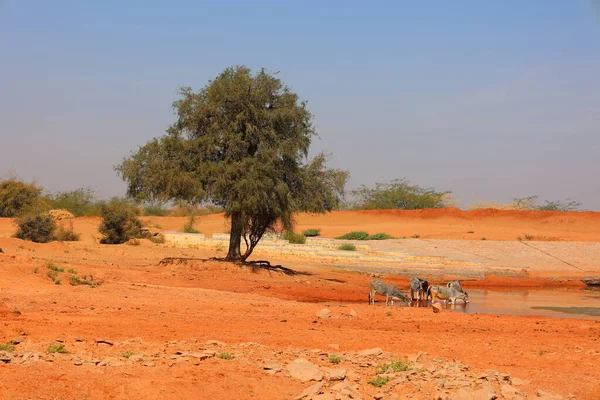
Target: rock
point(508, 391)
point(149, 364)
point(338, 374)
point(547, 395)
point(104, 341)
point(334, 346)
point(136, 358)
point(6, 356)
point(519, 382)
point(272, 366)
point(486, 392)
point(17, 340)
point(249, 344)
point(202, 356)
point(352, 312)
point(323, 396)
point(324, 313)
point(304, 370)
point(436, 307)
point(78, 363)
point(353, 376)
point(503, 377)
point(215, 343)
point(110, 362)
point(440, 383)
point(378, 396)
point(310, 391)
point(371, 352)
point(463, 394)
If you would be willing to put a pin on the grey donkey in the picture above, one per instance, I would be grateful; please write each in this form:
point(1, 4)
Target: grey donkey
point(387, 290)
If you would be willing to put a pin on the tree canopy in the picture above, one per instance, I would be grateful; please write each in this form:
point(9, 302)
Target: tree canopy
point(398, 194)
point(242, 143)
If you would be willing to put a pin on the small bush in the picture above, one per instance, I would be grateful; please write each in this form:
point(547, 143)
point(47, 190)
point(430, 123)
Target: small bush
point(51, 266)
point(519, 238)
point(528, 237)
point(295, 238)
point(483, 238)
point(395, 366)
point(120, 222)
point(357, 235)
point(470, 232)
point(7, 347)
point(380, 236)
point(56, 348)
point(312, 232)
point(57, 281)
point(37, 227)
point(416, 236)
point(72, 271)
point(347, 247)
point(155, 210)
point(128, 354)
point(160, 238)
point(188, 228)
point(335, 359)
point(225, 356)
point(379, 380)
point(80, 202)
point(66, 235)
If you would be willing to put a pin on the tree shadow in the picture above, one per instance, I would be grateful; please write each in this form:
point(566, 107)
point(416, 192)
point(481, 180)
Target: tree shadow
point(254, 265)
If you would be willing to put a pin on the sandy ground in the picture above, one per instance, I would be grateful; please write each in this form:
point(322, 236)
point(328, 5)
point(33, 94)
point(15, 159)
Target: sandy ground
point(157, 310)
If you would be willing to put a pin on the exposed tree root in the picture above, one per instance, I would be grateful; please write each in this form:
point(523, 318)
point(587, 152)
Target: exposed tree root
point(258, 264)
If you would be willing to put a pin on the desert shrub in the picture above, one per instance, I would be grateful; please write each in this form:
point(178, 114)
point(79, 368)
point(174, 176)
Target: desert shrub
point(528, 237)
point(335, 359)
point(157, 238)
point(120, 222)
point(347, 247)
point(189, 227)
point(7, 347)
point(63, 234)
point(56, 348)
point(399, 194)
point(379, 380)
point(312, 232)
point(155, 210)
point(416, 236)
point(356, 235)
point(380, 236)
point(567, 205)
point(295, 238)
point(183, 209)
point(80, 202)
point(36, 227)
point(530, 203)
point(395, 366)
point(225, 356)
point(18, 198)
point(128, 354)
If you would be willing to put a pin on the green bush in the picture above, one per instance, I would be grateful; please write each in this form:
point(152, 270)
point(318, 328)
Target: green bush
point(18, 198)
point(399, 194)
point(295, 238)
point(379, 381)
point(7, 347)
point(380, 236)
point(225, 356)
point(356, 235)
point(56, 348)
point(312, 232)
point(347, 247)
point(80, 202)
point(395, 366)
point(38, 228)
point(66, 234)
point(335, 359)
point(155, 210)
point(120, 222)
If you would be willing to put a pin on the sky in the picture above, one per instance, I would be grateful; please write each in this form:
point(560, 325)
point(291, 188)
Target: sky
point(489, 99)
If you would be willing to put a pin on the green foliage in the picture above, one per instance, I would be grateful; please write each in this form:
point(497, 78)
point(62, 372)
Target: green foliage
point(80, 202)
point(72, 271)
point(312, 232)
point(66, 234)
point(295, 238)
point(120, 222)
point(128, 354)
point(36, 227)
point(380, 236)
point(379, 380)
point(7, 347)
point(395, 366)
point(76, 281)
point(52, 267)
point(189, 227)
point(530, 203)
point(56, 348)
point(184, 209)
point(398, 194)
point(347, 247)
point(241, 143)
point(519, 238)
point(356, 235)
point(416, 236)
point(225, 356)
point(155, 210)
point(335, 359)
point(528, 237)
point(18, 198)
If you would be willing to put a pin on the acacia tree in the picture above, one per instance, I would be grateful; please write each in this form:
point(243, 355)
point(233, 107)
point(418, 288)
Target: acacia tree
point(241, 143)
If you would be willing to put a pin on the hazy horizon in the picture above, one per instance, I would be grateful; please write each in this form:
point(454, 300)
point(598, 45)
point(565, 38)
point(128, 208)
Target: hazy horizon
point(492, 101)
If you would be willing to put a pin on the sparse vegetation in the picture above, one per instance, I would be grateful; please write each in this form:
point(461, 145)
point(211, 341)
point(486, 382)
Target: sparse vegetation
point(380, 236)
point(225, 356)
point(35, 270)
point(483, 238)
point(57, 348)
point(356, 235)
point(388, 314)
point(519, 238)
point(399, 194)
point(395, 366)
point(128, 354)
point(72, 271)
point(335, 359)
point(347, 247)
point(416, 236)
point(66, 234)
point(311, 232)
point(295, 238)
point(80, 202)
point(7, 347)
point(155, 210)
point(120, 222)
point(530, 203)
point(379, 380)
point(528, 237)
point(189, 227)
point(470, 232)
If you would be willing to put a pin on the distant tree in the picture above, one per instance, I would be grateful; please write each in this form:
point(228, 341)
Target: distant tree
point(79, 202)
point(241, 143)
point(530, 203)
point(398, 194)
point(36, 227)
point(119, 222)
point(18, 197)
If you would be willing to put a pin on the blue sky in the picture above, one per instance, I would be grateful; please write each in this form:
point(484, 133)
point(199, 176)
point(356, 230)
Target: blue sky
point(492, 100)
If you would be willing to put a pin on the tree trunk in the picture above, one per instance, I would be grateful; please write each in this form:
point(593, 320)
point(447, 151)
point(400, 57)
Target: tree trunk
point(235, 237)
